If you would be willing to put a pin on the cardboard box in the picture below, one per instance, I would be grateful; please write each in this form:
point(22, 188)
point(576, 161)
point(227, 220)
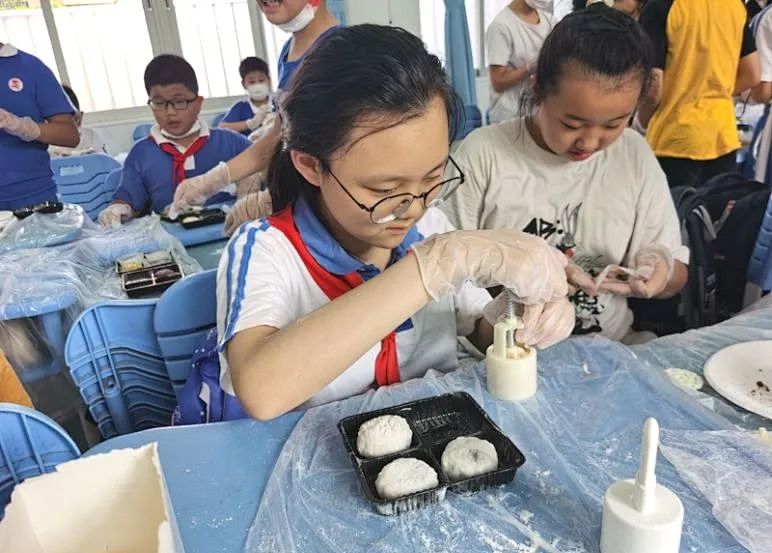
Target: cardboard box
point(115, 501)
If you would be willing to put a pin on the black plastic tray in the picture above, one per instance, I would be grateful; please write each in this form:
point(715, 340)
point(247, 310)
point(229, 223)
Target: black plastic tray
point(45, 207)
point(146, 264)
point(145, 282)
point(435, 422)
point(204, 218)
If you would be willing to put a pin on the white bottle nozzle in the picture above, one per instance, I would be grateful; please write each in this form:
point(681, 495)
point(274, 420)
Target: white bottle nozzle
point(646, 479)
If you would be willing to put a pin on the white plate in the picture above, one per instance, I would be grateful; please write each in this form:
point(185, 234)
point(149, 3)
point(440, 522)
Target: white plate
point(742, 373)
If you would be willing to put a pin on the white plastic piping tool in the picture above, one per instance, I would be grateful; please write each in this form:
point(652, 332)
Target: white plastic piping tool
point(641, 516)
point(646, 479)
point(510, 367)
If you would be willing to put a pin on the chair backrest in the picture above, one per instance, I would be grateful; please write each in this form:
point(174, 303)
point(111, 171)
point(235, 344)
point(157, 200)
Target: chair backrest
point(141, 131)
point(30, 444)
point(184, 314)
point(217, 119)
point(81, 180)
point(112, 181)
point(472, 120)
point(114, 359)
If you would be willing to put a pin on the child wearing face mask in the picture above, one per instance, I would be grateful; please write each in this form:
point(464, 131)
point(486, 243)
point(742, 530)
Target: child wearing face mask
point(246, 116)
point(310, 23)
point(570, 171)
point(180, 145)
point(512, 43)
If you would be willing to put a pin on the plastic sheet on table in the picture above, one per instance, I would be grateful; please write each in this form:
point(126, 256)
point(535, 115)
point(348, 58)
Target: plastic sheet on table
point(692, 349)
point(580, 433)
point(36, 281)
point(733, 470)
point(45, 229)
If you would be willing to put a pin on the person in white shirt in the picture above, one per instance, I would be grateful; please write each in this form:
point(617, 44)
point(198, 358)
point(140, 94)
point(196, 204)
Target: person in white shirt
point(346, 286)
point(762, 92)
point(571, 172)
point(512, 43)
point(91, 142)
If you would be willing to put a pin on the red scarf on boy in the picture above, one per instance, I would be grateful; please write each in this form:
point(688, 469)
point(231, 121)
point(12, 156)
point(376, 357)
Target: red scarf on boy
point(333, 286)
point(178, 158)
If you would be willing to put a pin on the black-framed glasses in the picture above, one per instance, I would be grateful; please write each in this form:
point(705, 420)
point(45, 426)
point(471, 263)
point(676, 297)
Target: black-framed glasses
point(393, 207)
point(163, 105)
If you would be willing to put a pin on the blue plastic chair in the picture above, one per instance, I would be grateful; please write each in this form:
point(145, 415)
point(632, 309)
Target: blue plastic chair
point(472, 120)
point(81, 180)
point(184, 314)
point(141, 131)
point(116, 363)
point(217, 119)
point(30, 444)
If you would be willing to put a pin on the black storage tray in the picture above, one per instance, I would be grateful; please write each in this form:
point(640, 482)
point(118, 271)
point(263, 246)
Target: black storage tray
point(435, 422)
point(206, 217)
point(151, 281)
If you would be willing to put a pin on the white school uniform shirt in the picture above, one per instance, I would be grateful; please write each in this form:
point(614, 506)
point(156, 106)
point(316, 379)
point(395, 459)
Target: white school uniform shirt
point(598, 211)
point(510, 41)
point(91, 142)
point(262, 281)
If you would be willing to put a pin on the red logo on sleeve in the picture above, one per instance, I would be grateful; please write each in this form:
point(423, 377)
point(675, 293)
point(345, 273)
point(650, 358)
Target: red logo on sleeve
point(15, 84)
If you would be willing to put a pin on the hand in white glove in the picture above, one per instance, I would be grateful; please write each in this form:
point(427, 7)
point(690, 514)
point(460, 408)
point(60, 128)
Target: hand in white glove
point(252, 206)
point(257, 119)
point(525, 264)
point(544, 324)
point(197, 190)
point(114, 215)
point(22, 127)
point(654, 268)
point(579, 279)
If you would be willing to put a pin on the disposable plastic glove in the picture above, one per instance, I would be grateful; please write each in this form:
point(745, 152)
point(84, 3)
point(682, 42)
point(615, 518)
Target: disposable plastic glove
point(114, 215)
point(197, 190)
point(654, 265)
point(579, 279)
point(525, 264)
point(543, 324)
point(22, 127)
point(250, 207)
point(257, 119)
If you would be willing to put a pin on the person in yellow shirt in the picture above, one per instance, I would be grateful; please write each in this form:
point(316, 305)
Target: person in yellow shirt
point(704, 55)
point(11, 390)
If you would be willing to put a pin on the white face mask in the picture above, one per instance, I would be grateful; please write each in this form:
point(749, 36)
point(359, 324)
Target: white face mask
point(196, 128)
point(300, 21)
point(543, 5)
point(258, 91)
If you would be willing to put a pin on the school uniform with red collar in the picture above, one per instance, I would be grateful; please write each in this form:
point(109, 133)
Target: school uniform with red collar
point(27, 89)
point(277, 270)
point(156, 165)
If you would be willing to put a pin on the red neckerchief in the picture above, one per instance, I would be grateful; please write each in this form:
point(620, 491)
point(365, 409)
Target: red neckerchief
point(178, 158)
point(333, 286)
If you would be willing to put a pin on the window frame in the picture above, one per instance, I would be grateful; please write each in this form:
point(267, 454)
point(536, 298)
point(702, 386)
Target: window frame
point(163, 32)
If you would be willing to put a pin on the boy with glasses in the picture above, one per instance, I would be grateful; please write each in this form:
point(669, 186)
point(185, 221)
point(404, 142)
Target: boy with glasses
point(180, 145)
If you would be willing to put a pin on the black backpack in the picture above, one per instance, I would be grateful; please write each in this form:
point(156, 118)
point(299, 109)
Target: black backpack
point(736, 206)
point(720, 222)
point(695, 306)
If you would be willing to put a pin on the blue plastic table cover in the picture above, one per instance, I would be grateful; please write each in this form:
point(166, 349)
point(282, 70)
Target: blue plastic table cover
point(40, 230)
point(34, 281)
point(579, 434)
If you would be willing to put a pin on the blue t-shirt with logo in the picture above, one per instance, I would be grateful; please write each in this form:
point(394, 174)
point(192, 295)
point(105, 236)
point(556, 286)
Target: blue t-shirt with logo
point(27, 89)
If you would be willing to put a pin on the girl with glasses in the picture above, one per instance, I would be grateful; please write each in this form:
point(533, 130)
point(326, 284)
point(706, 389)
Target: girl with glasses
point(351, 283)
